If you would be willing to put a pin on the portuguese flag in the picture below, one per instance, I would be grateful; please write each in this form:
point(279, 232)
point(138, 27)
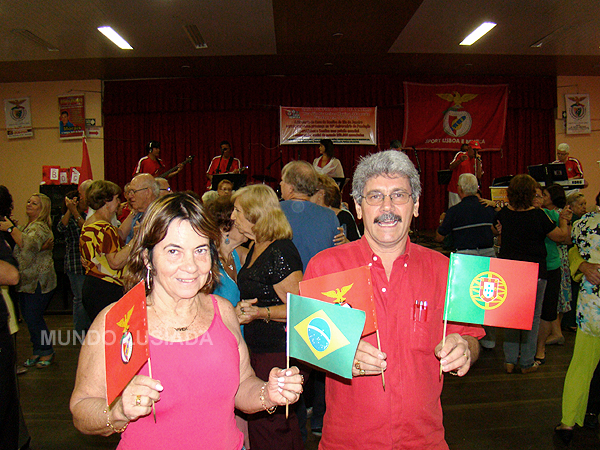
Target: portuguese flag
point(491, 291)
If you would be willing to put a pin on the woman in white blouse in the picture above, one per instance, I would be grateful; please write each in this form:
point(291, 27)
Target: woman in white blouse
point(327, 164)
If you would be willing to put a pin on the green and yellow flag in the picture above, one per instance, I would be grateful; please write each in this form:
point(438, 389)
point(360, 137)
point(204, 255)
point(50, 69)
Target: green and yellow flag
point(323, 334)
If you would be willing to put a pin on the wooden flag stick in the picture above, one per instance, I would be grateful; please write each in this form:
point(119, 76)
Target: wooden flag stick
point(150, 373)
point(379, 346)
point(443, 344)
point(287, 402)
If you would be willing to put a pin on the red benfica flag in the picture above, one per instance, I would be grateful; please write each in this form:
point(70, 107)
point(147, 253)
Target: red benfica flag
point(86, 167)
point(126, 347)
point(445, 116)
point(351, 287)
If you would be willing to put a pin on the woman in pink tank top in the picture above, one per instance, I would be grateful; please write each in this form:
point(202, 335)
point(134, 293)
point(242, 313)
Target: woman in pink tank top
point(200, 365)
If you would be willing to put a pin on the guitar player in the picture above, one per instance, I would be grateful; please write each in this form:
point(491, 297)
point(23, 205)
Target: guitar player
point(152, 164)
point(224, 163)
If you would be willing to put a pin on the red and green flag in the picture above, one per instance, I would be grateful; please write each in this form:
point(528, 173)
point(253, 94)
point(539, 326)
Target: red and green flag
point(323, 334)
point(491, 291)
point(351, 287)
point(126, 347)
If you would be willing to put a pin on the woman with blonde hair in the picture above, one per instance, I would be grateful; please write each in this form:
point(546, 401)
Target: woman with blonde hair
point(38, 278)
point(273, 268)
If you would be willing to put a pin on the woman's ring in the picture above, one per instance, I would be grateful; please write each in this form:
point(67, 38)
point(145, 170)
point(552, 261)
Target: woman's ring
point(138, 400)
point(242, 310)
point(357, 365)
point(362, 372)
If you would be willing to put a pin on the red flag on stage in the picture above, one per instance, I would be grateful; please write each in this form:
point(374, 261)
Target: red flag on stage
point(86, 167)
point(352, 287)
point(445, 116)
point(126, 347)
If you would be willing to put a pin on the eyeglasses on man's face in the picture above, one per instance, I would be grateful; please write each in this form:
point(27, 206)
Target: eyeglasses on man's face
point(397, 198)
point(135, 191)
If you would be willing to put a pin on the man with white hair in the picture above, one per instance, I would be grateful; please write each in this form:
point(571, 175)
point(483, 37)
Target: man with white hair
point(574, 169)
point(470, 223)
point(360, 414)
point(143, 190)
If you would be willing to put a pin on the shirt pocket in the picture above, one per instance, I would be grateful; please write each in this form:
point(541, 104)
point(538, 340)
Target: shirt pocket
point(427, 329)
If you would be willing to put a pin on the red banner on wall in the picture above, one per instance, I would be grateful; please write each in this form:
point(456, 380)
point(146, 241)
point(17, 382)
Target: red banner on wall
point(341, 125)
point(445, 116)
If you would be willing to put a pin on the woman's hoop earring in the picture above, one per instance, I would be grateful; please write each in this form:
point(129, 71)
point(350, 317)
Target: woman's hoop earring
point(148, 279)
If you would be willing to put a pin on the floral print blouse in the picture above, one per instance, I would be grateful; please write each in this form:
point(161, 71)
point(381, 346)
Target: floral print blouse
point(586, 236)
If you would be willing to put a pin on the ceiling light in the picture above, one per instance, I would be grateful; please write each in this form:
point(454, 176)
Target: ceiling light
point(195, 37)
point(548, 38)
point(35, 39)
point(478, 33)
point(115, 38)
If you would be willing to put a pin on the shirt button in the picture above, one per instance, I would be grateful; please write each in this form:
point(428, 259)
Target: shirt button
point(374, 258)
point(383, 289)
point(370, 264)
point(405, 265)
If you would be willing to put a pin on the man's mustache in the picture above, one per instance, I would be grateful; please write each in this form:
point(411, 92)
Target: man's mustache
point(388, 217)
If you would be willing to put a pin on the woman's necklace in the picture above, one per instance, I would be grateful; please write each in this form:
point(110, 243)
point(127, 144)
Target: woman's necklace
point(226, 263)
point(178, 328)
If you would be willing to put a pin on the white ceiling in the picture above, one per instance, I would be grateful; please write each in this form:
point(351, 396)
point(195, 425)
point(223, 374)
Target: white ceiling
point(297, 37)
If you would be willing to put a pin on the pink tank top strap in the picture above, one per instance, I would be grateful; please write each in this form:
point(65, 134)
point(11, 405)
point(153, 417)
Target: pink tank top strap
point(216, 306)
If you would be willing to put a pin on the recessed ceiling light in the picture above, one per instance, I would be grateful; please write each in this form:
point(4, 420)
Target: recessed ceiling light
point(338, 34)
point(195, 37)
point(478, 33)
point(115, 38)
point(329, 64)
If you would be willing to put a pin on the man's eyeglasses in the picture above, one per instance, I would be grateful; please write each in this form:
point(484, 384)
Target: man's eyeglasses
point(165, 189)
point(135, 191)
point(397, 198)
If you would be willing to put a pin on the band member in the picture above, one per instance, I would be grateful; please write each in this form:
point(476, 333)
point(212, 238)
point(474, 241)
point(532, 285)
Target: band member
point(224, 163)
point(152, 164)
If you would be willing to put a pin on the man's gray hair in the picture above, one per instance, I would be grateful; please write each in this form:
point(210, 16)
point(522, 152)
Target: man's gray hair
point(302, 176)
point(389, 163)
point(468, 183)
point(148, 181)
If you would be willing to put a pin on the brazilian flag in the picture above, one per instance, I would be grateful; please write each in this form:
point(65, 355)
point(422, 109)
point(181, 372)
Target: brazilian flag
point(323, 334)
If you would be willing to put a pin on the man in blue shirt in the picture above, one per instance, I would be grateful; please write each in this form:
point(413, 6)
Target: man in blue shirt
point(314, 226)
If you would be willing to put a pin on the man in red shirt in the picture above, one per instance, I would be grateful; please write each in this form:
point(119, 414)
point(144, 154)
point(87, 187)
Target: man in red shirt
point(152, 164)
point(408, 414)
point(465, 161)
point(224, 163)
point(573, 165)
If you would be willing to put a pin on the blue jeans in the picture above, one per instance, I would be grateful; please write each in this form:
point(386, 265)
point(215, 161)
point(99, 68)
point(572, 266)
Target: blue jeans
point(33, 307)
point(523, 340)
point(81, 321)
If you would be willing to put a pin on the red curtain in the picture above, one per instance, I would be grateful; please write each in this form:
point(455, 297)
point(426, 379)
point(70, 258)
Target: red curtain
point(192, 116)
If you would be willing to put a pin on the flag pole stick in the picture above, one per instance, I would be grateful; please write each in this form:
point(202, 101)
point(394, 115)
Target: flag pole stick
point(287, 348)
point(150, 373)
point(287, 402)
point(379, 346)
point(443, 344)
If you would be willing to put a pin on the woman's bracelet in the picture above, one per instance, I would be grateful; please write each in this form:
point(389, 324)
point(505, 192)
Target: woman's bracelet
point(110, 425)
point(270, 410)
point(268, 319)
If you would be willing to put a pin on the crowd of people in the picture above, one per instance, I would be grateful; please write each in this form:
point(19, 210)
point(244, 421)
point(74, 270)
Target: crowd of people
point(220, 266)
